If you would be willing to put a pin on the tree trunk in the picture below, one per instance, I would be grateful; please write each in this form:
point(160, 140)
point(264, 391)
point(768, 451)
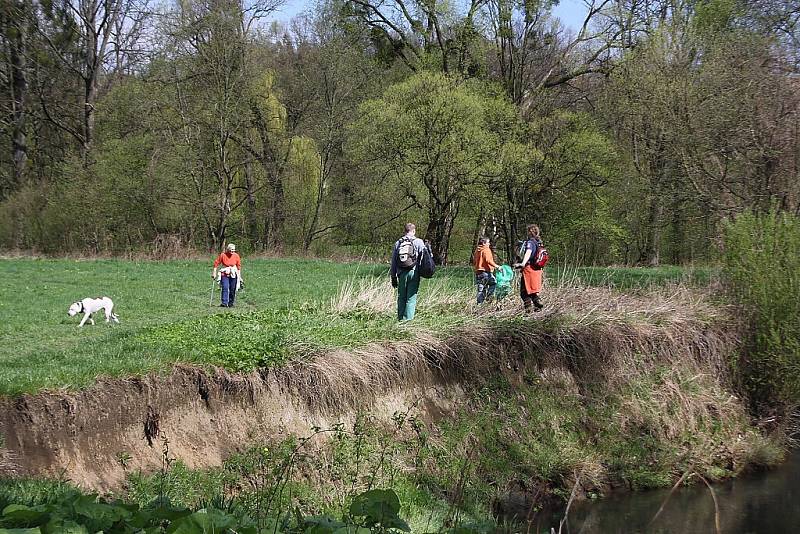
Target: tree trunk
point(440, 226)
point(654, 228)
point(90, 98)
point(480, 225)
point(19, 86)
point(251, 215)
point(511, 227)
point(323, 176)
point(90, 72)
point(679, 232)
point(273, 225)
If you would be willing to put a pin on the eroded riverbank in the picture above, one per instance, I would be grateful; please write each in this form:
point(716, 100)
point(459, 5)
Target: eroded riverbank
point(629, 392)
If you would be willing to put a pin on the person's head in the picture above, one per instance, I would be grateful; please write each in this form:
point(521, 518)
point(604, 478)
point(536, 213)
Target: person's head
point(483, 241)
point(230, 248)
point(411, 228)
point(533, 230)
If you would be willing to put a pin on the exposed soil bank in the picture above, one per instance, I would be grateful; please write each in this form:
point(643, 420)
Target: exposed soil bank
point(205, 416)
point(208, 415)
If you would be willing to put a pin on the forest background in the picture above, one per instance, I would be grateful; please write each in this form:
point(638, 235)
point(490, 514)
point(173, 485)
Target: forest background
point(144, 126)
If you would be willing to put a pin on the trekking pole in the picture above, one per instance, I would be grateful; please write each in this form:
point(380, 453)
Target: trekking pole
point(211, 298)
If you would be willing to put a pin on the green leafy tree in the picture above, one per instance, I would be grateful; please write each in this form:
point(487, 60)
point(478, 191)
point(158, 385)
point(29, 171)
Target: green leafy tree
point(438, 138)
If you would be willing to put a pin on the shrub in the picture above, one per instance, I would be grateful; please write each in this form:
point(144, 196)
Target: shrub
point(762, 273)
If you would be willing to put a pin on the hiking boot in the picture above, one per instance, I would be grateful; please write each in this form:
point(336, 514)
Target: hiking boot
point(223, 305)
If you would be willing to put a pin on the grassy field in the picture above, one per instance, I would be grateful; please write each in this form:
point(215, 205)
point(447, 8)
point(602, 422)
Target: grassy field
point(168, 315)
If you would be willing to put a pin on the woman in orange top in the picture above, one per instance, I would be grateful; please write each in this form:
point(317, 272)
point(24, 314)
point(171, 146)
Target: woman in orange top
point(230, 274)
point(484, 266)
point(531, 282)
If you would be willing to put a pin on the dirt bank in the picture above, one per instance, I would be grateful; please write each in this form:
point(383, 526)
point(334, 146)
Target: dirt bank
point(206, 415)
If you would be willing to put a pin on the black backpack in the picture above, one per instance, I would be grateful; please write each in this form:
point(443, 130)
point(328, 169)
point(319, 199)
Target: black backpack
point(427, 267)
point(406, 254)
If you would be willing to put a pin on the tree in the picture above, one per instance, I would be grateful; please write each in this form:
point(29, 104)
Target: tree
point(93, 42)
point(439, 138)
point(555, 179)
point(532, 52)
point(647, 86)
point(324, 75)
point(15, 39)
point(421, 33)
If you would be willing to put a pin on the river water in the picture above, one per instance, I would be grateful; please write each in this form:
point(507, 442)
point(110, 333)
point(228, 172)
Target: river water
point(765, 502)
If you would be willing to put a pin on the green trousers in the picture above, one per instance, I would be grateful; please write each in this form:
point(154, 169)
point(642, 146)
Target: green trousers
point(407, 287)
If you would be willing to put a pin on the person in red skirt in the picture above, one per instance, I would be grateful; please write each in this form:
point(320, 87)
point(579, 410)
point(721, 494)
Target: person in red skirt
point(531, 281)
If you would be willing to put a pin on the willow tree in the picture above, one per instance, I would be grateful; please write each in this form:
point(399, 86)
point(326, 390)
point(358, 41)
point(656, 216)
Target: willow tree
point(439, 138)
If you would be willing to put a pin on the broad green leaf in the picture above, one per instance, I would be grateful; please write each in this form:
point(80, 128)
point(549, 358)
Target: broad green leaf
point(63, 526)
point(21, 515)
point(205, 521)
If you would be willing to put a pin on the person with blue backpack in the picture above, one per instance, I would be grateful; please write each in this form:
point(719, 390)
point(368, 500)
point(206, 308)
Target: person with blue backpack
point(411, 259)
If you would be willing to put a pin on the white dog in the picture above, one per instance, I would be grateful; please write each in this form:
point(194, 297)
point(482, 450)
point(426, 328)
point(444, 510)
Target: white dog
point(88, 306)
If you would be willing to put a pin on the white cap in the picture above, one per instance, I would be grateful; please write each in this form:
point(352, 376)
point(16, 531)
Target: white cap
point(231, 247)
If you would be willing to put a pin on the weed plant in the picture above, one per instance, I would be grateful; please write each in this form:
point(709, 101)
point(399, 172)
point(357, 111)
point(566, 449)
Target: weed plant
point(762, 273)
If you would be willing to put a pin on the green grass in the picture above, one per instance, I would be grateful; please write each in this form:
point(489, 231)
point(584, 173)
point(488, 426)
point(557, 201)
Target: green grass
point(168, 315)
point(164, 312)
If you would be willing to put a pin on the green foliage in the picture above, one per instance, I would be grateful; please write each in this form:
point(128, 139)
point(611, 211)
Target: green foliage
point(716, 16)
point(265, 338)
point(302, 184)
point(378, 509)
point(762, 273)
point(438, 138)
point(571, 194)
point(374, 511)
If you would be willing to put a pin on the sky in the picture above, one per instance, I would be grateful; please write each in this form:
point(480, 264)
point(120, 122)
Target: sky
point(571, 12)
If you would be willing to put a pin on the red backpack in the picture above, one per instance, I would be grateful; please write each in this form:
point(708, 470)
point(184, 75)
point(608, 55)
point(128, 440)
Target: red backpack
point(541, 259)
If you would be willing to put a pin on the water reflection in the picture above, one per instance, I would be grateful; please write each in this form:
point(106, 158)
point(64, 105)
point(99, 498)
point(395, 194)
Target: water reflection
point(759, 503)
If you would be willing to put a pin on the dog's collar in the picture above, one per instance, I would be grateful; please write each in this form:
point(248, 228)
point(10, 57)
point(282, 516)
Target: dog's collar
point(82, 308)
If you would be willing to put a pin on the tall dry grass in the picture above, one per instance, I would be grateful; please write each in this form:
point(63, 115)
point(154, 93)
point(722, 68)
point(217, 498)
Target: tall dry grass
point(594, 342)
point(378, 295)
point(596, 332)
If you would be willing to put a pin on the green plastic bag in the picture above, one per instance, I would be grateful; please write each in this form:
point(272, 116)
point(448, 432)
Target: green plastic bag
point(504, 275)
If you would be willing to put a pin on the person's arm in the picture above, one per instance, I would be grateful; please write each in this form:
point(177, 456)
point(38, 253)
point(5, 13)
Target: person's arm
point(528, 254)
point(393, 268)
